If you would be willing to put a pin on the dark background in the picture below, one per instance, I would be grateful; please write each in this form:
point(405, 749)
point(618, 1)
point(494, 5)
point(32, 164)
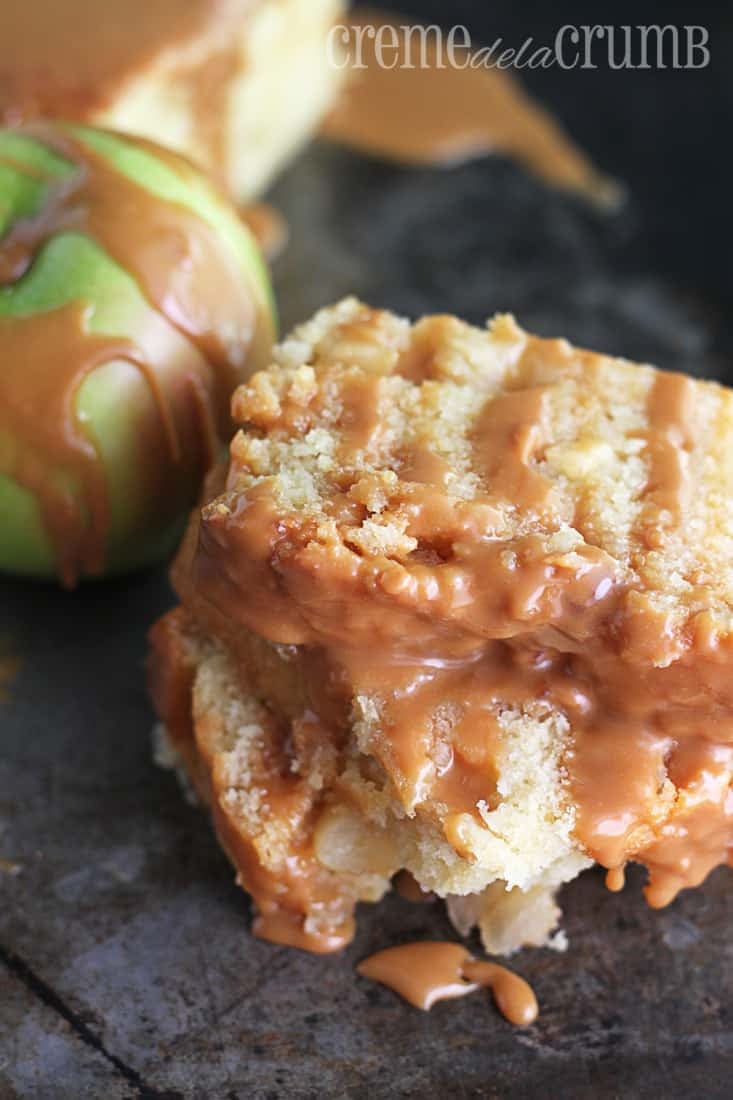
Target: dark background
point(666, 134)
point(127, 965)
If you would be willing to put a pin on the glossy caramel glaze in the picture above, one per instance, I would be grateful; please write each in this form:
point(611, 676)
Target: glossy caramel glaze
point(514, 997)
point(422, 973)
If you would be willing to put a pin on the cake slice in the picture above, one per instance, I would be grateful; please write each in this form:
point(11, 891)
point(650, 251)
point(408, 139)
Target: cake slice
point(236, 85)
point(461, 605)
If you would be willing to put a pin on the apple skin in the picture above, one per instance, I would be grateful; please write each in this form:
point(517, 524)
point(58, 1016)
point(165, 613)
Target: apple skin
point(114, 404)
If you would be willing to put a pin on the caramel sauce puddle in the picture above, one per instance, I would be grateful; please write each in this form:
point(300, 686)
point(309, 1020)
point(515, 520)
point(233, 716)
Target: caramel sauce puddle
point(431, 971)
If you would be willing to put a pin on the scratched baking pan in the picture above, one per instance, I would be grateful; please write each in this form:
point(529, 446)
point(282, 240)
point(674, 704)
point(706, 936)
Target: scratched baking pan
point(129, 970)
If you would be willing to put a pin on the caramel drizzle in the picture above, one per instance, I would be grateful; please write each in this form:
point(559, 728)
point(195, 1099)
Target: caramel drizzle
point(509, 433)
point(175, 257)
point(671, 410)
point(192, 350)
point(55, 439)
point(432, 971)
point(445, 115)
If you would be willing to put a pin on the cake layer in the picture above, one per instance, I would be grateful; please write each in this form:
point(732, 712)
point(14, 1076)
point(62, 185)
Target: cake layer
point(312, 826)
point(237, 85)
point(483, 583)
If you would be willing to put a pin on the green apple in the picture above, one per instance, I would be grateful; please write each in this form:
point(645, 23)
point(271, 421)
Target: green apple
point(148, 491)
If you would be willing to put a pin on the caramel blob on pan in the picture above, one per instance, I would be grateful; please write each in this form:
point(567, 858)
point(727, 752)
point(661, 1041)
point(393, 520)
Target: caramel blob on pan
point(431, 971)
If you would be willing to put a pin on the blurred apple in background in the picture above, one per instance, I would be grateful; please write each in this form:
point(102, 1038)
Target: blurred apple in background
point(132, 302)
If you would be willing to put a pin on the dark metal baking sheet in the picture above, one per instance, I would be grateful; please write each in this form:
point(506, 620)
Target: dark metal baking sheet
point(128, 968)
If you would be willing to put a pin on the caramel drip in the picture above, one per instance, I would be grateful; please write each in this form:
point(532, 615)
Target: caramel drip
point(284, 895)
point(616, 878)
point(55, 439)
point(192, 349)
point(671, 410)
point(425, 467)
point(701, 835)
point(509, 433)
point(444, 115)
point(407, 886)
point(286, 927)
point(69, 60)
point(432, 971)
point(359, 424)
point(268, 226)
point(284, 892)
point(420, 704)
